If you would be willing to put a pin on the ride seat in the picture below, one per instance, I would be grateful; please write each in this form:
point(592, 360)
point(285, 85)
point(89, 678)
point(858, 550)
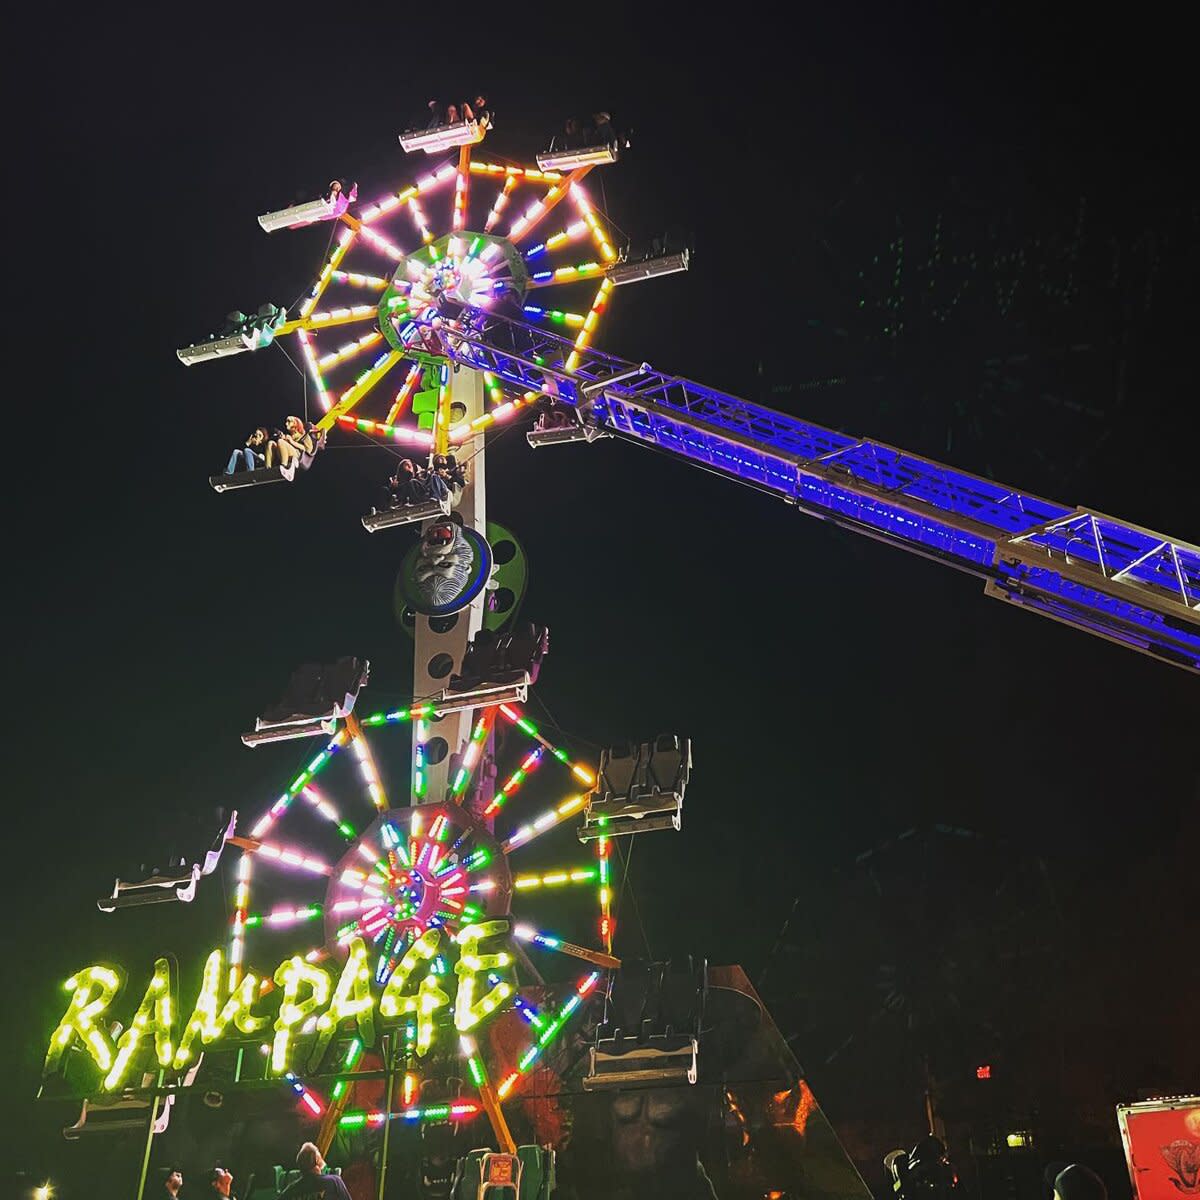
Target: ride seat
point(496, 668)
point(639, 789)
point(442, 137)
point(650, 1034)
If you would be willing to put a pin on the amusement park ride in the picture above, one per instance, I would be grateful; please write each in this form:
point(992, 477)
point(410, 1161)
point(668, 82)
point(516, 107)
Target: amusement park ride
point(443, 310)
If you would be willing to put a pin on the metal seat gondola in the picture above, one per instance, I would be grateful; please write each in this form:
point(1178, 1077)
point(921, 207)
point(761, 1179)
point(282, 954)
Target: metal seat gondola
point(239, 334)
point(496, 669)
point(317, 695)
point(560, 424)
point(229, 481)
point(649, 268)
point(442, 137)
point(560, 158)
point(244, 479)
point(639, 788)
point(651, 1029)
point(121, 1114)
point(175, 884)
point(406, 514)
point(295, 216)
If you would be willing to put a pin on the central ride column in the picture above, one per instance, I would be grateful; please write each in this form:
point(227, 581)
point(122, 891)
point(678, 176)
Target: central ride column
point(440, 642)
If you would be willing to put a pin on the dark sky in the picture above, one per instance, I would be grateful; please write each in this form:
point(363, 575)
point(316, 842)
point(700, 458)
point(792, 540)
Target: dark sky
point(837, 691)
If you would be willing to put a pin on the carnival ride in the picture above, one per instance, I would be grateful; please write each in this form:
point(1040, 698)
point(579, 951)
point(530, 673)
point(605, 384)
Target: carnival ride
point(434, 318)
point(463, 300)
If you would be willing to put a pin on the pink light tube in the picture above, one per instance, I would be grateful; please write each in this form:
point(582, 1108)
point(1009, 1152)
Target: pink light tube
point(500, 203)
point(396, 432)
point(310, 359)
point(290, 857)
point(547, 820)
point(350, 349)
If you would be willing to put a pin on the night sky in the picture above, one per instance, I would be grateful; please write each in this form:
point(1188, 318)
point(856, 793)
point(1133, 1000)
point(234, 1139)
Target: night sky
point(837, 692)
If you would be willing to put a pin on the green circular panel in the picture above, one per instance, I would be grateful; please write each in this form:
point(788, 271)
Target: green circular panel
point(510, 576)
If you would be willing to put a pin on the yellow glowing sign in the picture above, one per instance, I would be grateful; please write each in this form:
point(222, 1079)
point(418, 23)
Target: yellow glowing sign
point(307, 1004)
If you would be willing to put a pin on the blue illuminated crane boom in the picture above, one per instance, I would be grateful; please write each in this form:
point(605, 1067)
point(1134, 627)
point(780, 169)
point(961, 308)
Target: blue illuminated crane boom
point(1119, 581)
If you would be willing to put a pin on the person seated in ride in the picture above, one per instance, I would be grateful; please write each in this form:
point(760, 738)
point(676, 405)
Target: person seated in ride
point(433, 483)
point(602, 132)
point(295, 440)
point(478, 110)
point(407, 485)
point(402, 487)
point(220, 1182)
point(571, 137)
point(552, 415)
point(235, 322)
point(337, 195)
point(253, 454)
point(446, 467)
point(451, 114)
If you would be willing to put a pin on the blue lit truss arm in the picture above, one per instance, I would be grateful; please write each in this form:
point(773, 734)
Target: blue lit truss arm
point(1135, 587)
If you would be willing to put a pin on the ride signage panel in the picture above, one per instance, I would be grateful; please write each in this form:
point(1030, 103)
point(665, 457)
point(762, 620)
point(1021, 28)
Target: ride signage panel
point(302, 1000)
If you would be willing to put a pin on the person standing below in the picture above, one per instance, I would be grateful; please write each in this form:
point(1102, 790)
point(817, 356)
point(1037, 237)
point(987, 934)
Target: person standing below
point(173, 1183)
point(1074, 1181)
point(312, 1184)
point(220, 1183)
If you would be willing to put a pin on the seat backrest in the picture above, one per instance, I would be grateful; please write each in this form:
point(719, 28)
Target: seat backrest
point(537, 1172)
point(665, 768)
point(618, 768)
point(630, 996)
point(342, 678)
point(304, 687)
point(480, 653)
point(285, 1177)
point(681, 997)
point(526, 646)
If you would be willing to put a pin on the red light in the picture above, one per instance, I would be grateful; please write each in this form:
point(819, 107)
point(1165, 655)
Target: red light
point(984, 1072)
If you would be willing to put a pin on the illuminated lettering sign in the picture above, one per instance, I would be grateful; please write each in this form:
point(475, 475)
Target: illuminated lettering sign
point(306, 998)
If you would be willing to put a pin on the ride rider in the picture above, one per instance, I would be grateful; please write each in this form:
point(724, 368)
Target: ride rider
point(252, 454)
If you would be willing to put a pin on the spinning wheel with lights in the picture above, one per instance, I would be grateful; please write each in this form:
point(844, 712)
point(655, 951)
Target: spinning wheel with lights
point(478, 234)
point(418, 900)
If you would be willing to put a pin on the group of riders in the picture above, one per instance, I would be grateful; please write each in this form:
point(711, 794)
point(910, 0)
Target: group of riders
point(411, 483)
point(295, 445)
point(444, 478)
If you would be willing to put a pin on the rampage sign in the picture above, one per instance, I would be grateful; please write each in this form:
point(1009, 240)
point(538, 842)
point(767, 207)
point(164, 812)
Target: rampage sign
point(301, 998)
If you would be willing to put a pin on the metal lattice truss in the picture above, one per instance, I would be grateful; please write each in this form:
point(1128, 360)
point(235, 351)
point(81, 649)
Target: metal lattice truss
point(1120, 581)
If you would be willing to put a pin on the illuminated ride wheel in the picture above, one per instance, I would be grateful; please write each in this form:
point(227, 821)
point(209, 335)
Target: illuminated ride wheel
point(429, 260)
point(413, 905)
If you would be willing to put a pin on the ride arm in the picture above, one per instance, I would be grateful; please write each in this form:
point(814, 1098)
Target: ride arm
point(1108, 577)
